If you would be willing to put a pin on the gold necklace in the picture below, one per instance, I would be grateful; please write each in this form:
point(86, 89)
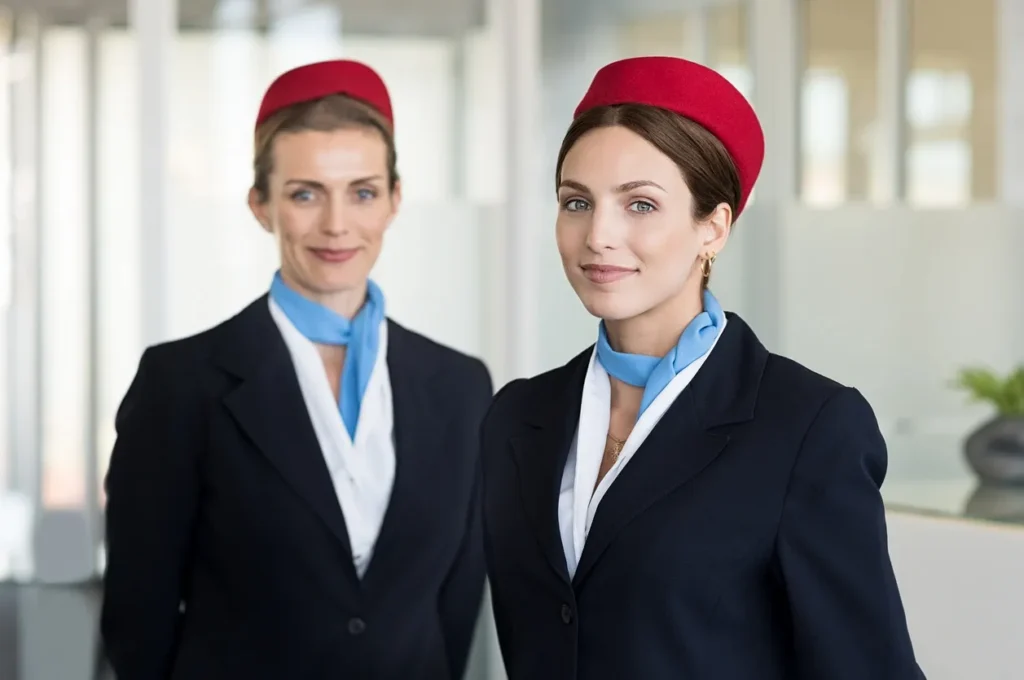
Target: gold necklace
point(615, 448)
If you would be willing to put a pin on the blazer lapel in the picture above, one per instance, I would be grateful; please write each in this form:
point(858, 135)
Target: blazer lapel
point(541, 453)
point(677, 449)
point(269, 407)
point(685, 441)
point(419, 431)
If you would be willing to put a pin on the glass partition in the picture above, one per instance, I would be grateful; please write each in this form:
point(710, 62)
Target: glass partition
point(952, 103)
point(839, 124)
point(898, 299)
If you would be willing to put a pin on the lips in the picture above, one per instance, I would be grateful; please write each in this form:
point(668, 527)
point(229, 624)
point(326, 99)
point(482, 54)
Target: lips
point(606, 273)
point(334, 255)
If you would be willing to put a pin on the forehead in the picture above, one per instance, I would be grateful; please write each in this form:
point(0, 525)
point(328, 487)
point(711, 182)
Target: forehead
point(356, 149)
point(610, 156)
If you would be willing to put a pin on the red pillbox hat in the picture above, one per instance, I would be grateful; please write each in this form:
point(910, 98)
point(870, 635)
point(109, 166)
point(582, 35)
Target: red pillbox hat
point(322, 79)
point(692, 91)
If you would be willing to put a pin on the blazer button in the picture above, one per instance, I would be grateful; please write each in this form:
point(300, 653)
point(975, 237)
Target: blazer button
point(356, 626)
point(566, 614)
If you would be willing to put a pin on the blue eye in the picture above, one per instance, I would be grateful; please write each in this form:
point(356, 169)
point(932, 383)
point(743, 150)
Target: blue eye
point(575, 205)
point(366, 194)
point(641, 207)
point(302, 195)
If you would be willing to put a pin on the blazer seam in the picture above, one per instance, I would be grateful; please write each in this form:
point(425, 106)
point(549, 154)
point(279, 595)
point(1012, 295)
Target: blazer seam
point(796, 461)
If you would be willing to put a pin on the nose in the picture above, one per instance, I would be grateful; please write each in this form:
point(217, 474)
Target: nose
point(605, 231)
point(335, 222)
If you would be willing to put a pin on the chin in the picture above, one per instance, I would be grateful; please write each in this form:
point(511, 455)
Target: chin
point(335, 278)
point(611, 307)
point(324, 283)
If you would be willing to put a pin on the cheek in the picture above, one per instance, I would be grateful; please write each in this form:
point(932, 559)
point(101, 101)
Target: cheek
point(294, 224)
point(668, 245)
point(567, 237)
point(373, 219)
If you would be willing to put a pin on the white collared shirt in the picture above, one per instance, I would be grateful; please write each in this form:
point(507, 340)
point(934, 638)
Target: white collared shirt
point(576, 505)
point(363, 471)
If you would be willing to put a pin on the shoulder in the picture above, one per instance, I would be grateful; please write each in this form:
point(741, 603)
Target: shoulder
point(187, 353)
point(839, 429)
point(193, 349)
point(790, 381)
point(791, 391)
point(168, 380)
point(526, 395)
point(182, 364)
point(518, 394)
point(453, 368)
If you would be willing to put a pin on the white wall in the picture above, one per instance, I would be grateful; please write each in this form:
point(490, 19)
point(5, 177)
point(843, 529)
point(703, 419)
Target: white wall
point(961, 588)
point(895, 301)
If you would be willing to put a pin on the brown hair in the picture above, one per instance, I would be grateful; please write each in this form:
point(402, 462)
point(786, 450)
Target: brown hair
point(327, 114)
point(707, 167)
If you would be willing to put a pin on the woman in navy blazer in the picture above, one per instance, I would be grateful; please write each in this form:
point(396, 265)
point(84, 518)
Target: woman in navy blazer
point(294, 493)
point(677, 501)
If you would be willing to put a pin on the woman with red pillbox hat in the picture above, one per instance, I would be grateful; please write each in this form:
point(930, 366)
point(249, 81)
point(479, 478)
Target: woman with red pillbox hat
point(677, 501)
point(294, 493)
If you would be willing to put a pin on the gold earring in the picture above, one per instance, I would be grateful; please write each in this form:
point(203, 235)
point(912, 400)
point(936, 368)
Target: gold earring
point(706, 263)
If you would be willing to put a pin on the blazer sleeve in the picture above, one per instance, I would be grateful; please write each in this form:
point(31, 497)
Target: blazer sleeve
point(847, 616)
point(152, 493)
point(461, 596)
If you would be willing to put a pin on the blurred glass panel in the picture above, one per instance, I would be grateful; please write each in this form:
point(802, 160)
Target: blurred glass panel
point(65, 269)
point(21, 495)
point(729, 49)
point(824, 136)
point(119, 269)
point(715, 35)
point(7, 74)
point(677, 33)
point(951, 103)
point(482, 135)
point(13, 502)
point(838, 105)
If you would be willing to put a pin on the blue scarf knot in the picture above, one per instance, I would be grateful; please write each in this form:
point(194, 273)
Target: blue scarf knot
point(655, 373)
point(360, 335)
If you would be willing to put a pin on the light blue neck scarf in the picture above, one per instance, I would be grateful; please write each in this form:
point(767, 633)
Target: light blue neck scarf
point(360, 335)
point(655, 373)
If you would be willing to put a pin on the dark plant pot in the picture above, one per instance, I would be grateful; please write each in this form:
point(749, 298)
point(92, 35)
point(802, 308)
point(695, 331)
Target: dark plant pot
point(995, 451)
point(997, 503)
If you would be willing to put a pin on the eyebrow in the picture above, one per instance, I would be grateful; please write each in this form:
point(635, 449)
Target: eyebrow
point(621, 189)
point(320, 185)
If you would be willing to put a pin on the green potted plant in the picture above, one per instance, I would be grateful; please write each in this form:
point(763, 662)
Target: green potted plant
point(995, 451)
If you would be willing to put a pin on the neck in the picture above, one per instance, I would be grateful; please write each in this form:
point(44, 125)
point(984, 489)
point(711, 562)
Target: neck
point(655, 332)
point(344, 303)
point(625, 399)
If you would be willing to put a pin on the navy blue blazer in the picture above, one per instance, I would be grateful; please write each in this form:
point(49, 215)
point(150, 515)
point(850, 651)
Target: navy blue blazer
point(228, 554)
point(745, 540)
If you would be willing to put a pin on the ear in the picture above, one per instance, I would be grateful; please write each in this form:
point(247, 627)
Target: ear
point(717, 228)
point(259, 210)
